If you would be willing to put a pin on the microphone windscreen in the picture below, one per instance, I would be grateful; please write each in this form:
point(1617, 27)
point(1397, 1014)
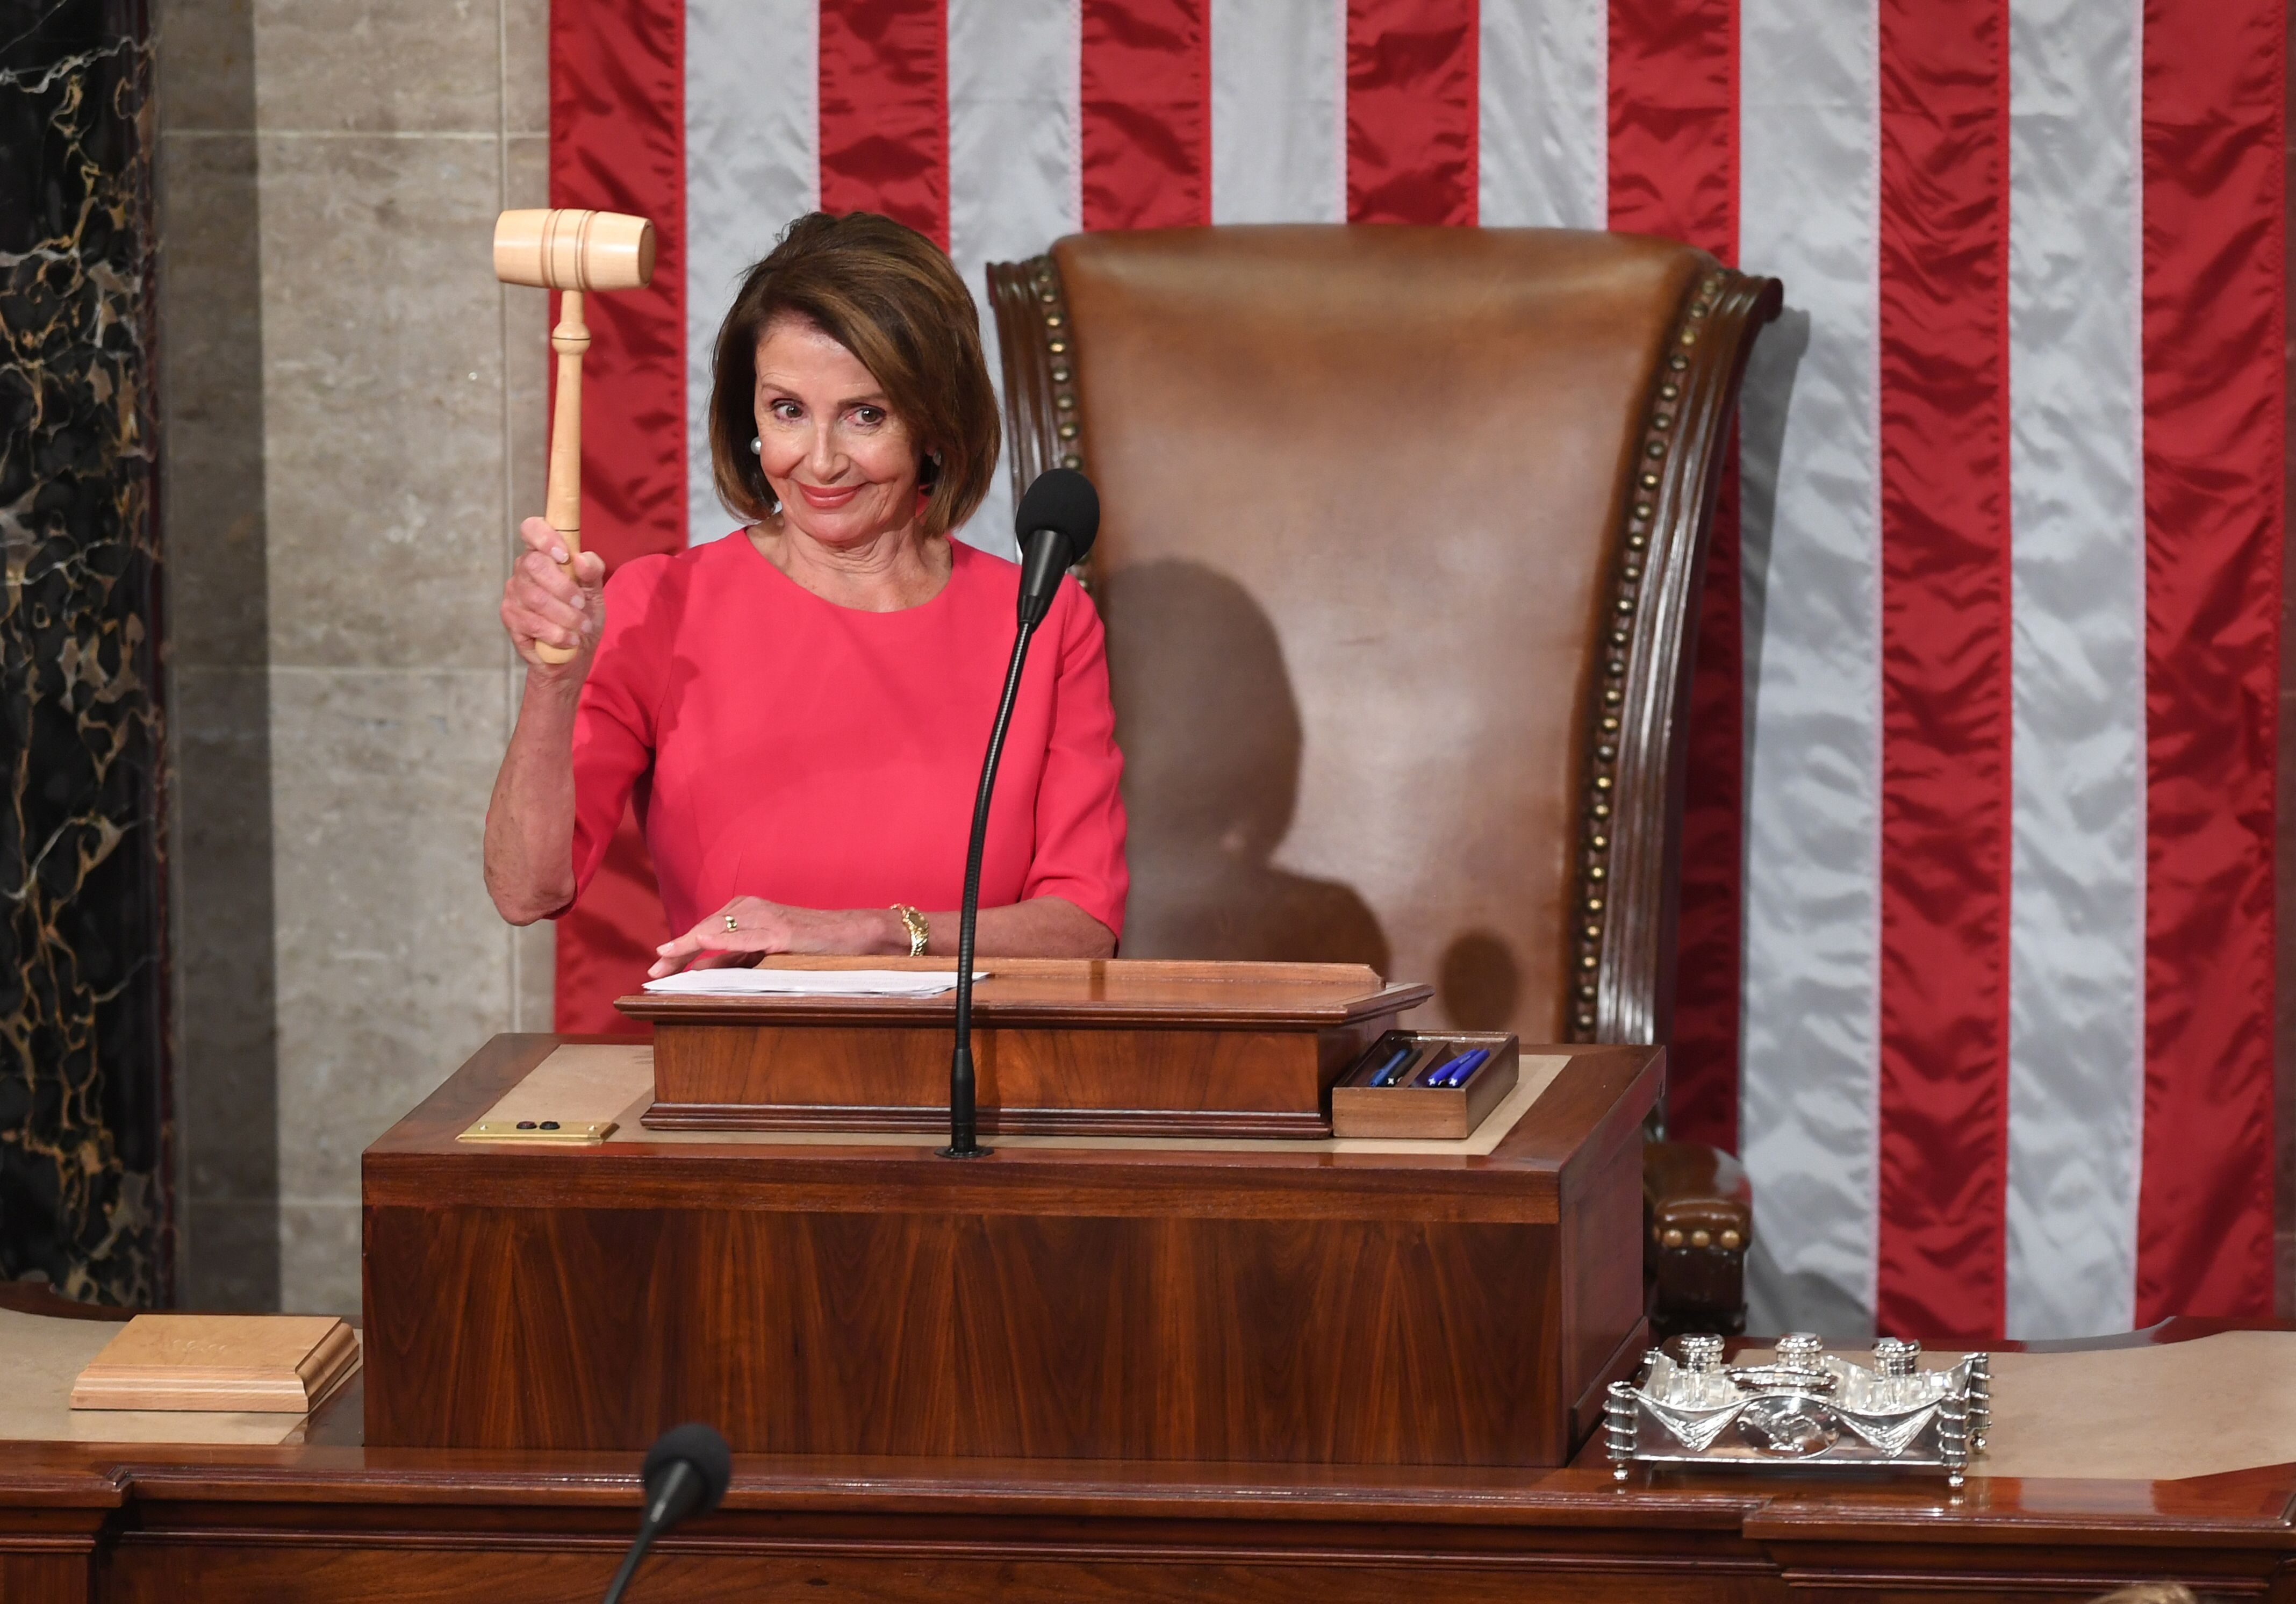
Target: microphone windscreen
point(701, 1447)
point(1062, 499)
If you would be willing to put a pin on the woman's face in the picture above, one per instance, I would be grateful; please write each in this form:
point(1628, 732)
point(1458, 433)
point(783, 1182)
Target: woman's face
point(842, 466)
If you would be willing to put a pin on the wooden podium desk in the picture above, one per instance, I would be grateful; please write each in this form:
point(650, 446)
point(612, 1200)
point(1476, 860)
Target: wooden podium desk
point(1267, 1300)
point(328, 1520)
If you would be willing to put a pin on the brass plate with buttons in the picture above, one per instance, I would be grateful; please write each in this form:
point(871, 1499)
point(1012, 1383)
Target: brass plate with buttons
point(557, 1133)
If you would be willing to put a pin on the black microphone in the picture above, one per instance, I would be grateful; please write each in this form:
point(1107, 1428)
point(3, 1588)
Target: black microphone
point(1056, 522)
point(686, 1473)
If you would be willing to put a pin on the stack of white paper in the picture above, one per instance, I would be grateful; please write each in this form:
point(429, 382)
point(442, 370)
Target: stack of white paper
point(811, 982)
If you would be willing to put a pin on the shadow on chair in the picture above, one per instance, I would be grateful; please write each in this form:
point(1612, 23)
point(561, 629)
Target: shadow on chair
point(1211, 780)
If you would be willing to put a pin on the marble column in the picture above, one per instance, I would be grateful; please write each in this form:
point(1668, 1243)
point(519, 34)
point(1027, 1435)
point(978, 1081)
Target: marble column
point(84, 1107)
point(353, 418)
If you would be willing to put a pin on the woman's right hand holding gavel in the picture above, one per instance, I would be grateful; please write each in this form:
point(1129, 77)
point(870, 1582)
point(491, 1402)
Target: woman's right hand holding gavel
point(554, 606)
point(547, 601)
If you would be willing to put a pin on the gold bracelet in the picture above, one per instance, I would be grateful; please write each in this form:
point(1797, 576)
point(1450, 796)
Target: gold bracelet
point(914, 923)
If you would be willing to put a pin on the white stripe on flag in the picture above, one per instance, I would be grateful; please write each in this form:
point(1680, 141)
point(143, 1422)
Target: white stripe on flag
point(2077, 903)
point(1544, 123)
point(1279, 80)
point(752, 162)
point(1809, 137)
point(1013, 166)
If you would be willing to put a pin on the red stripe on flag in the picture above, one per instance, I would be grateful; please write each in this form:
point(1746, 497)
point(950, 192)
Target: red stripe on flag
point(1413, 111)
point(1674, 171)
point(2214, 332)
point(1944, 667)
point(884, 111)
point(1145, 105)
point(617, 144)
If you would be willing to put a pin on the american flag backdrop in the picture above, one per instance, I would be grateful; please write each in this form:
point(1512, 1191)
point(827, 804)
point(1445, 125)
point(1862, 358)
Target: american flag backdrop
point(1977, 927)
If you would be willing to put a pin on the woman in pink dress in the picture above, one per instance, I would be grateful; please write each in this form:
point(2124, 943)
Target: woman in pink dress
point(798, 710)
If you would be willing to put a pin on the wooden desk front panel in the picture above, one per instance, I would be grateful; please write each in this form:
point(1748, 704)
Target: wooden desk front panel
point(1373, 1342)
point(156, 1524)
point(1263, 1305)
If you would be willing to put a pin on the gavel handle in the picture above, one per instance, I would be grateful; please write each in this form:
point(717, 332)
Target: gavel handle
point(563, 506)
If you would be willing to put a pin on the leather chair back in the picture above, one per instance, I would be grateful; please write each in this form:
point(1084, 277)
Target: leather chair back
point(1403, 531)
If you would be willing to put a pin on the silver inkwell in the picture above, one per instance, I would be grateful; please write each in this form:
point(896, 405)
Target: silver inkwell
point(1805, 1407)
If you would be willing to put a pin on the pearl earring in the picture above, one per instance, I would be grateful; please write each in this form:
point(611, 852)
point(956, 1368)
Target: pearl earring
point(757, 445)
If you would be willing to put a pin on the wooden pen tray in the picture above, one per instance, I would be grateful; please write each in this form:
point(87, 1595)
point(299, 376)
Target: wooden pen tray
point(1407, 1108)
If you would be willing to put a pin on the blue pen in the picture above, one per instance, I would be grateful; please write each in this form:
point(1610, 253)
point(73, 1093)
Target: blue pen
point(1466, 1065)
point(1412, 1058)
point(1385, 1075)
point(1435, 1076)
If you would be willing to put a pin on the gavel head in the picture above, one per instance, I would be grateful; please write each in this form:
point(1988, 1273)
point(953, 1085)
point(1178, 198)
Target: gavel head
point(566, 249)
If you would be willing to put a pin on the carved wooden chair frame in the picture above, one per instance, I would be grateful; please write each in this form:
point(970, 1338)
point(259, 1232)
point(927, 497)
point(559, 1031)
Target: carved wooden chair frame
point(1631, 815)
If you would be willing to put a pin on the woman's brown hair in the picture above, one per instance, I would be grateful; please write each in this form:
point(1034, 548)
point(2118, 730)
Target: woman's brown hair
point(892, 298)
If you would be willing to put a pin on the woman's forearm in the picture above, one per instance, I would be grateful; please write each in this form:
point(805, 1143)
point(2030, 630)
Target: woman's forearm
point(1041, 927)
point(529, 840)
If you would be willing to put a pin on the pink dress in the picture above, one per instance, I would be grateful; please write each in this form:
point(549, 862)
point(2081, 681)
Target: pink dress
point(778, 745)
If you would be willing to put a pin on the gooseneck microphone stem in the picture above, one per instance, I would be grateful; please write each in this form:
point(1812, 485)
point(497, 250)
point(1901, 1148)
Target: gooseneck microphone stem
point(1057, 521)
point(964, 1138)
point(679, 1489)
point(629, 1568)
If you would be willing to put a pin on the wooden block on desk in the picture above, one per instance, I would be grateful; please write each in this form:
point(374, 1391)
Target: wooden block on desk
point(268, 1363)
point(1061, 1046)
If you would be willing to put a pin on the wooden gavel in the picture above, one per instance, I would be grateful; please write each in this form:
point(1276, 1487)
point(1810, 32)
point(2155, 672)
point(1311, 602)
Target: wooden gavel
point(571, 251)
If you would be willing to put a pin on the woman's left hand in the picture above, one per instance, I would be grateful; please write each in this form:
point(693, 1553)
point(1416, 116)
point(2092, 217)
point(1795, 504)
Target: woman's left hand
point(748, 927)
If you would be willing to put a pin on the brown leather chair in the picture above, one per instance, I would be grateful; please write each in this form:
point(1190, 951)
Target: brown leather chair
point(1402, 537)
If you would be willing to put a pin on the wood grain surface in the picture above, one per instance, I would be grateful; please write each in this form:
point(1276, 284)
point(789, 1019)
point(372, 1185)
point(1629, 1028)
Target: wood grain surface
point(1061, 1047)
point(265, 1362)
point(1410, 1108)
point(1044, 1079)
point(1255, 1307)
point(334, 1525)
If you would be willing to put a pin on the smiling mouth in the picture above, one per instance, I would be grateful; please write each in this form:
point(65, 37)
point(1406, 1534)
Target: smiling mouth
point(824, 500)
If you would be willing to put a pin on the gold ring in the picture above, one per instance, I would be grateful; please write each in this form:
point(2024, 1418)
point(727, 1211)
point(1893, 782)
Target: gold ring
point(730, 923)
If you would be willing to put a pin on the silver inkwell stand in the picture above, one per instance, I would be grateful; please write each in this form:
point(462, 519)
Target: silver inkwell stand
point(1807, 1408)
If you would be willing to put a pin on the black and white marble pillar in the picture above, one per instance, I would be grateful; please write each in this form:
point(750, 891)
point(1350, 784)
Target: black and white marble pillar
point(84, 1103)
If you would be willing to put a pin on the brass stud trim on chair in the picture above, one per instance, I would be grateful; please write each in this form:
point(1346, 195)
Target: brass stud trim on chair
point(1063, 374)
point(1655, 461)
point(1043, 407)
